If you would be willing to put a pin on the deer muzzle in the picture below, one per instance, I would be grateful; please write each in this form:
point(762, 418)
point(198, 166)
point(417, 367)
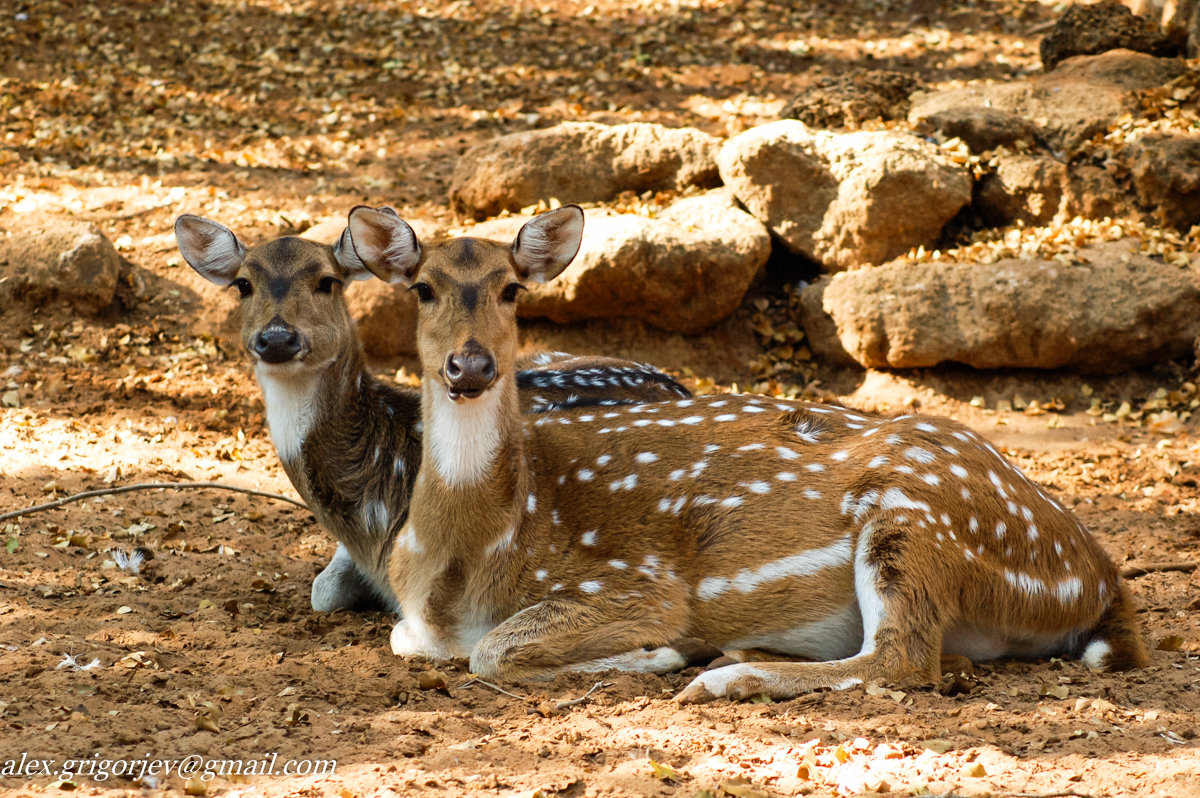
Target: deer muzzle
point(469, 371)
point(277, 343)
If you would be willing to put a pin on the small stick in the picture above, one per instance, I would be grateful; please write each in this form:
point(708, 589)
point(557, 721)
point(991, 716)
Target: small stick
point(497, 688)
point(1063, 794)
point(577, 701)
point(1134, 571)
point(148, 486)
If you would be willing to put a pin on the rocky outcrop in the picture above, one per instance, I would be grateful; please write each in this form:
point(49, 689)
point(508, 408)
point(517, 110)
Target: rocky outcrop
point(1082, 98)
point(683, 270)
point(580, 162)
point(1100, 27)
point(54, 260)
point(1117, 310)
point(850, 98)
point(844, 200)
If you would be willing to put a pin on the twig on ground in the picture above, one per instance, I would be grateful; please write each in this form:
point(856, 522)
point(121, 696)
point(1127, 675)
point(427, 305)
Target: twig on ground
point(577, 701)
point(1134, 571)
point(497, 688)
point(148, 486)
point(1063, 794)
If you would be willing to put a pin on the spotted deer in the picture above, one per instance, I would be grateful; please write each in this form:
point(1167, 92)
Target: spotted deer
point(351, 443)
point(600, 537)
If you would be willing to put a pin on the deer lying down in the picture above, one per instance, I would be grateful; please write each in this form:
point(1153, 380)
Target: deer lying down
point(350, 443)
point(596, 538)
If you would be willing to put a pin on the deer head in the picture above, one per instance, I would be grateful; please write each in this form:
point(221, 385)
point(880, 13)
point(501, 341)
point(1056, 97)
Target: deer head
point(467, 288)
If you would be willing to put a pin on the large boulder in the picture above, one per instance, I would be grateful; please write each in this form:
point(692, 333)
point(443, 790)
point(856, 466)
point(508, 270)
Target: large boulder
point(1166, 174)
point(58, 260)
point(1115, 311)
point(1097, 28)
point(850, 98)
point(1084, 97)
point(844, 200)
point(683, 270)
point(580, 162)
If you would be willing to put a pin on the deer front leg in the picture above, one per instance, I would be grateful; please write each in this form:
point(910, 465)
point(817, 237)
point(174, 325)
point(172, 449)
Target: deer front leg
point(341, 585)
point(558, 635)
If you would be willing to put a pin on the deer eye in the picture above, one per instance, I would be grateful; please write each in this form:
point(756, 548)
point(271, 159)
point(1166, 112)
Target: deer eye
point(424, 292)
point(243, 286)
point(325, 284)
point(509, 294)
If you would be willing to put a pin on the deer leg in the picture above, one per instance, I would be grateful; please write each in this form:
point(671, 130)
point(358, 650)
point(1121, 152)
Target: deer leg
point(341, 585)
point(562, 635)
point(902, 630)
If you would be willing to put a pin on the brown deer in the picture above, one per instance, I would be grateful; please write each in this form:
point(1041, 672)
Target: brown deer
point(599, 538)
point(350, 443)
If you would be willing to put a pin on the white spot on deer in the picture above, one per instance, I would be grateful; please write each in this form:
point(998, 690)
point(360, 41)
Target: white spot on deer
point(966, 494)
point(676, 475)
point(893, 440)
point(702, 501)
point(665, 422)
point(620, 565)
point(684, 403)
point(712, 447)
point(751, 447)
point(611, 415)
point(806, 563)
point(756, 487)
point(786, 476)
point(604, 459)
point(641, 422)
point(922, 456)
point(876, 462)
point(896, 499)
point(962, 436)
point(814, 467)
point(786, 453)
point(871, 432)
point(732, 501)
point(968, 555)
point(690, 420)
point(720, 403)
point(950, 450)
point(587, 417)
point(854, 417)
point(853, 426)
point(753, 409)
point(1027, 514)
point(973, 525)
point(408, 540)
point(664, 505)
point(1032, 531)
point(958, 471)
point(932, 479)
point(924, 427)
point(502, 543)
point(725, 417)
point(1068, 590)
point(815, 409)
point(1058, 548)
point(628, 483)
point(585, 475)
point(809, 493)
point(675, 508)
point(557, 586)
point(588, 538)
point(1027, 584)
point(838, 457)
point(375, 517)
point(540, 574)
point(531, 504)
point(905, 469)
point(697, 467)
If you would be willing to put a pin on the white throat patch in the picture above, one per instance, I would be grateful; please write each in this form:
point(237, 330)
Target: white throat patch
point(290, 408)
point(463, 439)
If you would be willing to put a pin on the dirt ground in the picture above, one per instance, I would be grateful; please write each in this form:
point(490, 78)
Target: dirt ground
point(274, 115)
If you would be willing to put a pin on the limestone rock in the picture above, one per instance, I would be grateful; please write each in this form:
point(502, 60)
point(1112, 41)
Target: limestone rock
point(580, 162)
point(682, 271)
point(58, 260)
point(1023, 188)
point(844, 200)
point(1116, 311)
point(1098, 28)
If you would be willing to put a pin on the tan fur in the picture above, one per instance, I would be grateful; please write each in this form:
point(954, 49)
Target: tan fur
point(873, 545)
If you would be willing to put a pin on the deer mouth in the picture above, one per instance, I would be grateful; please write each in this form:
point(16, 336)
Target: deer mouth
point(462, 394)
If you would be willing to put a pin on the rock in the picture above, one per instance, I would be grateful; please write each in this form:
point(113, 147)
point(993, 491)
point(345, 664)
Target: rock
point(1098, 28)
point(850, 98)
point(844, 200)
point(1116, 311)
point(1166, 174)
point(580, 162)
point(1082, 98)
point(1179, 20)
point(981, 129)
point(682, 271)
point(386, 317)
point(1023, 188)
point(58, 260)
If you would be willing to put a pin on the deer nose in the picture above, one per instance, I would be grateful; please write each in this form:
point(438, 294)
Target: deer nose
point(277, 344)
point(469, 371)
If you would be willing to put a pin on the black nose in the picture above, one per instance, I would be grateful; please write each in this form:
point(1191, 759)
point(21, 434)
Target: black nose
point(277, 344)
point(470, 371)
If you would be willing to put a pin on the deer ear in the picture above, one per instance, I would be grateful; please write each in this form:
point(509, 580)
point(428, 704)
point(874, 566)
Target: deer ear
point(547, 243)
point(210, 248)
point(384, 244)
